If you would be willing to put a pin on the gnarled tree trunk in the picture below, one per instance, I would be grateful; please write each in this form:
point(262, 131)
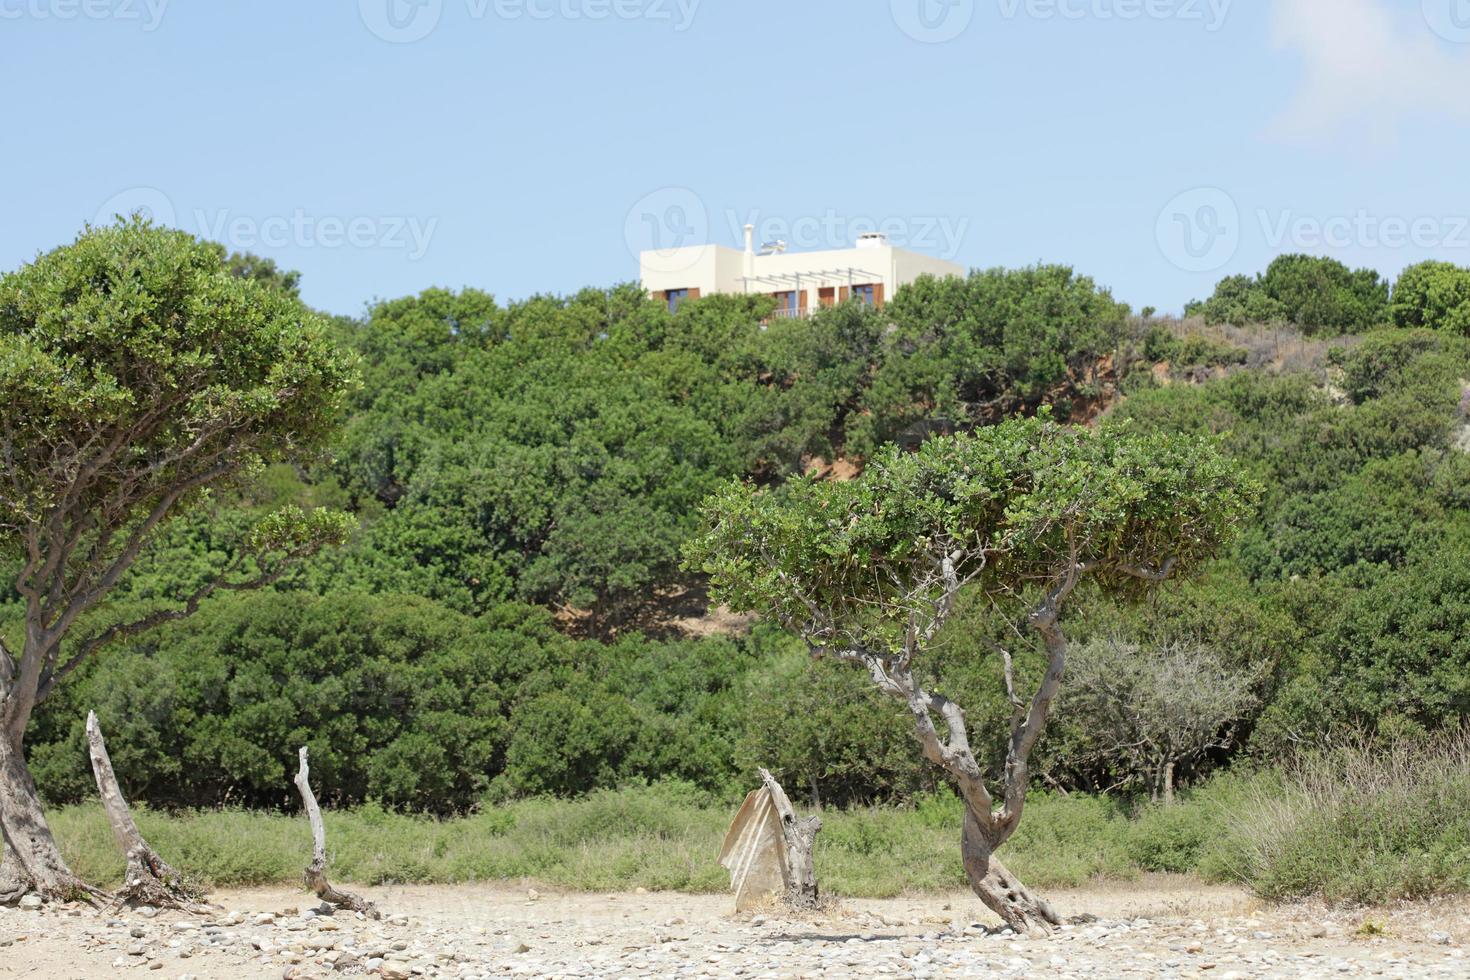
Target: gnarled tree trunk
point(34, 850)
point(14, 883)
point(148, 880)
point(1001, 891)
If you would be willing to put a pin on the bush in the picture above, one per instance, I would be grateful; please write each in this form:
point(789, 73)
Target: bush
point(1319, 295)
point(1366, 823)
point(401, 701)
point(1434, 295)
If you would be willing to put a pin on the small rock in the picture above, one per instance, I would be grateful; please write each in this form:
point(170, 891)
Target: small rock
point(31, 903)
point(1440, 938)
point(522, 948)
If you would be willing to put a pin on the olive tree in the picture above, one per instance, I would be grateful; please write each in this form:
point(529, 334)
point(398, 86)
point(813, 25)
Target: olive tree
point(869, 571)
point(136, 373)
point(1143, 712)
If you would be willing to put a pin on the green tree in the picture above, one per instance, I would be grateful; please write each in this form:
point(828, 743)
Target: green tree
point(136, 374)
point(1317, 294)
point(1023, 512)
point(967, 352)
point(1321, 295)
point(1434, 295)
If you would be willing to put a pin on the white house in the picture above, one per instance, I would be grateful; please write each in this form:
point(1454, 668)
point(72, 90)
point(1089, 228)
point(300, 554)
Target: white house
point(800, 281)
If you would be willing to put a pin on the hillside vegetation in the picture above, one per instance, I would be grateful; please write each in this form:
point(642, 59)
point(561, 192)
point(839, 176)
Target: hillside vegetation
point(504, 624)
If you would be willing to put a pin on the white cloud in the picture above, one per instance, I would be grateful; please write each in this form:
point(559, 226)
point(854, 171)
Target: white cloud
point(1368, 64)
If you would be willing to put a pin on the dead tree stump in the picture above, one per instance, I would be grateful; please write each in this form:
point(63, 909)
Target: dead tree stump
point(800, 836)
point(768, 850)
point(149, 880)
point(316, 872)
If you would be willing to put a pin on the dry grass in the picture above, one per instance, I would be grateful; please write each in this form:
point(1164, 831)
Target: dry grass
point(1361, 823)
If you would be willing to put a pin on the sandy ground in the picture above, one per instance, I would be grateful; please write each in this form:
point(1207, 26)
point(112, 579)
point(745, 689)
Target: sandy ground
point(1154, 927)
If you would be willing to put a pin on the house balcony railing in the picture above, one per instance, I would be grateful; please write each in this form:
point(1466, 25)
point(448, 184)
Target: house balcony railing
point(793, 313)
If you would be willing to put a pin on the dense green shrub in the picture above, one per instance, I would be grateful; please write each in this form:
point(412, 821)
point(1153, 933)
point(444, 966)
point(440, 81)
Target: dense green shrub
point(1434, 295)
point(966, 352)
point(1319, 295)
point(401, 701)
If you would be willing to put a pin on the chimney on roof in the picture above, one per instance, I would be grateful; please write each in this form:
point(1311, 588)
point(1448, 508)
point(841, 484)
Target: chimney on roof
point(749, 253)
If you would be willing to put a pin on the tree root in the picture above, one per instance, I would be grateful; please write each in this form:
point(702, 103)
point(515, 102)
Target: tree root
point(148, 880)
point(15, 884)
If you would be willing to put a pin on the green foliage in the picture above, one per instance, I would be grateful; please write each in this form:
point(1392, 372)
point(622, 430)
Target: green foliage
point(827, 734)
point(1023, 501)
point(1357, 538)
point(141, 371)
point(1435, 295)
point(1364, 823)
point(1238, 301)
point(138, 334)
point(1192, 349)
point(555, 452)
point(1318, 295)
point(967, 352)
point(400, 700)
point(662, 837)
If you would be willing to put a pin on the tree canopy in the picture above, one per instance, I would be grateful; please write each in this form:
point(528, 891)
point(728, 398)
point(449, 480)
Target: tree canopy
point(137, 374)
point(1317, 294)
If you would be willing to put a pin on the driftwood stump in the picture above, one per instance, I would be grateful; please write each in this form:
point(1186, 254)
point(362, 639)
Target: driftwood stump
point(316, 872)
point(768, 850)
point(149, 880)
point(800, 835)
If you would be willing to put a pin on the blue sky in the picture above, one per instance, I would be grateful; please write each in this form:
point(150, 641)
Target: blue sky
point(524, 146)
